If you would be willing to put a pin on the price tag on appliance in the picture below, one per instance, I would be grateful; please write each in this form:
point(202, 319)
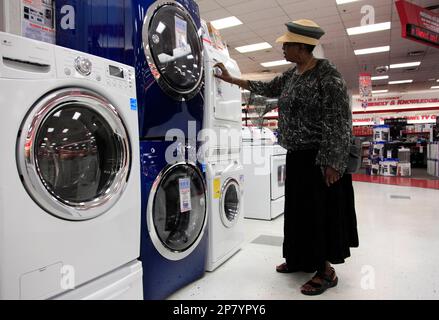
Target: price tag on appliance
point(185, 195)
point(217, 188)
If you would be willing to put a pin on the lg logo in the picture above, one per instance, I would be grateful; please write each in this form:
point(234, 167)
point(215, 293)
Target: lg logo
point(67, 17)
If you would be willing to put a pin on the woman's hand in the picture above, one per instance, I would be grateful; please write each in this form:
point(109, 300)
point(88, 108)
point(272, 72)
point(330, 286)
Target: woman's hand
point(224, 75)
point(331, 176)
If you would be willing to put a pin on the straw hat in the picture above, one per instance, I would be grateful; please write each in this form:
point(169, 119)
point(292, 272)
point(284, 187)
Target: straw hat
point(302, 31)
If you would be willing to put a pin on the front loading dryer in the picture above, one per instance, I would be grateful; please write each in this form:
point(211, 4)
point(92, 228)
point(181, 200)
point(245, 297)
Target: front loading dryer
point(162, 41)
point(70, 191)
point(174, 218)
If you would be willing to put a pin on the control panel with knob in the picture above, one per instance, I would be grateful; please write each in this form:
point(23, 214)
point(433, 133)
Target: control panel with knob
point(114, 76)
point(83, 66)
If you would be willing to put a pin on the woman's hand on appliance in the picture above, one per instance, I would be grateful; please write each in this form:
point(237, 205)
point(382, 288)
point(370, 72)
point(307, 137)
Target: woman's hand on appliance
point(224, 74)
point(227, 77)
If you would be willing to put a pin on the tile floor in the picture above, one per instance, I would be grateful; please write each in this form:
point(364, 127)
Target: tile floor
point(398, 257)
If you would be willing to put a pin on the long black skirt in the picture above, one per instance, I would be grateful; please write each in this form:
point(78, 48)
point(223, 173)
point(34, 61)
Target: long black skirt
point(320, 221)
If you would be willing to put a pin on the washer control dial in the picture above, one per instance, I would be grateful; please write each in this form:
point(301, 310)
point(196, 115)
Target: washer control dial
point(83, 66)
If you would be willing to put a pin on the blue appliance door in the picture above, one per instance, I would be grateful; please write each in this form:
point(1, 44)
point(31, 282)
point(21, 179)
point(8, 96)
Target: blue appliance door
point(173, 49)
point(176, 214)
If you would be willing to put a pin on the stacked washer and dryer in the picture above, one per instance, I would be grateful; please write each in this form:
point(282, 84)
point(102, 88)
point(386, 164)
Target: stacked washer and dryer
point(70, 175)
point(162, 40)
point(222, 155)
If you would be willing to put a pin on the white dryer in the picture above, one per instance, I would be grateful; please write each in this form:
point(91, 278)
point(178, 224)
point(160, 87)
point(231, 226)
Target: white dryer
point(70, 190)
point(264, 164)
point(222, 153)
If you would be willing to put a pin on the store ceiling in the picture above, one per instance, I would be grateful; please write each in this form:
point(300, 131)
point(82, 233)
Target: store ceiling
point(263, 21)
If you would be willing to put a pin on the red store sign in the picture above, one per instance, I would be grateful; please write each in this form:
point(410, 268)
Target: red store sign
point(418, 24)
point(411, 119)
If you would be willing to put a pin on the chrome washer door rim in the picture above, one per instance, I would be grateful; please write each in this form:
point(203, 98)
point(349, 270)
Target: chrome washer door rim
point(26, 159)
point(163, 250)
point(179, 95)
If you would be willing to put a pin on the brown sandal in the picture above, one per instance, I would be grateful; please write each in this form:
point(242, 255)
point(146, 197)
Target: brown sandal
point(283, 268)
point(328, 281)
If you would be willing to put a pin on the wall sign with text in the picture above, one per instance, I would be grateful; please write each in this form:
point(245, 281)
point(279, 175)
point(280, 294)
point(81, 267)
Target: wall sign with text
point(418, 24)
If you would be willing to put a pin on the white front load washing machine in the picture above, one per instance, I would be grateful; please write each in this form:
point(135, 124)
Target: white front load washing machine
point(70, 190)
point(225, 193)
point(221, 149)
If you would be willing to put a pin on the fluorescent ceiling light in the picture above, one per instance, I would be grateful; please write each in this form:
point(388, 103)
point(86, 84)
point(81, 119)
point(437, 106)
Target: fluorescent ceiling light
point(345, 1)
point(254, 47)
point(400, 81)
point(405, 65)
point(437, 80)
point(275, 63)
point(226, 23)
point(380, 78)
point(372, 50)
point(380, 91)
point(369, 28)
point(435, 87)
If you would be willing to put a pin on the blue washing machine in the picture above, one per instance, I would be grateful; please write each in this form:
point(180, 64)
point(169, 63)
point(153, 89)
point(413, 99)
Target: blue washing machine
point(174, 216)
point(161, 39)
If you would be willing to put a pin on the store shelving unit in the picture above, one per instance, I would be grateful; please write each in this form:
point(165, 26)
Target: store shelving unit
point(365, 154)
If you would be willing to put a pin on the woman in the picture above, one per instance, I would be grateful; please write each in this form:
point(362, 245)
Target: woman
point(315, 126)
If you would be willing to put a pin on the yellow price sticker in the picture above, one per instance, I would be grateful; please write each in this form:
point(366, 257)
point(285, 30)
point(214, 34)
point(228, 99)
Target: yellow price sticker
point(216, 188)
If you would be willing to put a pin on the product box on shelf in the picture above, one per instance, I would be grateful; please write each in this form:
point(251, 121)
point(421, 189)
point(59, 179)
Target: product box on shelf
point(404, 155)
point(373, 169)
point(381, 133)
point(404, 170)
point(378, 150)
point(389, 167)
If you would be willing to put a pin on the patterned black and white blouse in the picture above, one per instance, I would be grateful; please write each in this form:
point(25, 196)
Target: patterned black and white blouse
point(314, 112)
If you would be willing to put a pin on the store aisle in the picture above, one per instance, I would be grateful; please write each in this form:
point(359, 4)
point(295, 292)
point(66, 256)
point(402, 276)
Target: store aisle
point(397, 257)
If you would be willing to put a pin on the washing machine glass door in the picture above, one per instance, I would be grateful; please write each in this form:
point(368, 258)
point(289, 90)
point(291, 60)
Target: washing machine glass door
point(178, 209)
point(230, 203)
point(173, 49)
point(74, 154)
